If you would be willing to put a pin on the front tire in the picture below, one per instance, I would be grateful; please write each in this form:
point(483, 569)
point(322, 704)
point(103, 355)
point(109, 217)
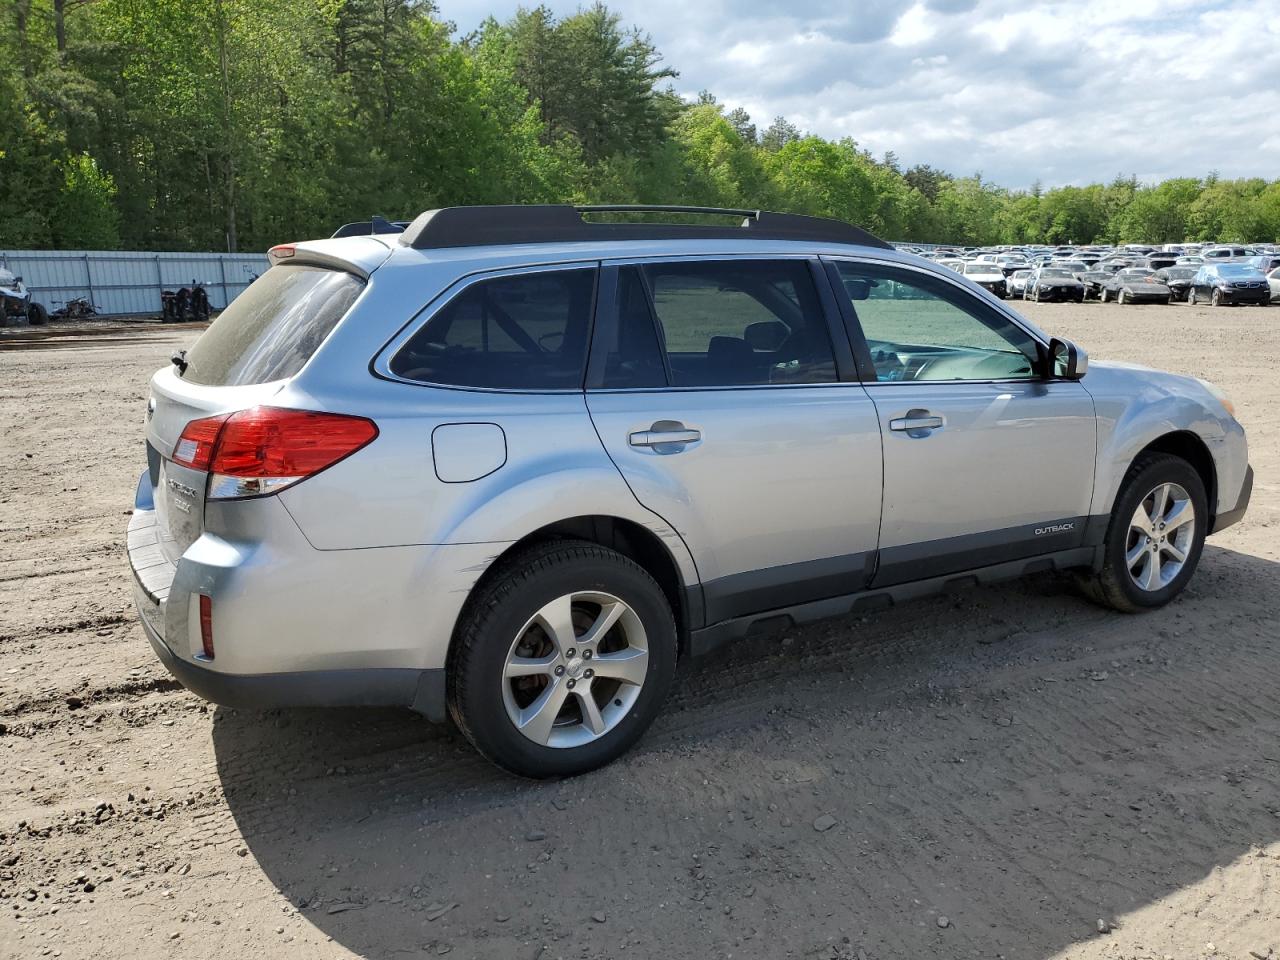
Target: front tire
point(1154, 538)
point(37, 315)
point(1216, 299)
point(1121, 299)
point(562, 659)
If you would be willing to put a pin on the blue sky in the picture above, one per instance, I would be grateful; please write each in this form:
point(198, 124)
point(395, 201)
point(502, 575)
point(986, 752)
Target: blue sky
point(1020, 90)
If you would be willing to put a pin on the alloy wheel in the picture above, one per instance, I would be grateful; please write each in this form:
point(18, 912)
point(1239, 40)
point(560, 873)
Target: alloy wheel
point(575, 669)
point(1161, 533)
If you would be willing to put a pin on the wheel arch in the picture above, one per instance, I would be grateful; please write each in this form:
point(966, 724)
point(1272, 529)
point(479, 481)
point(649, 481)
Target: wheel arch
point(1188, 446)
point(634, 541)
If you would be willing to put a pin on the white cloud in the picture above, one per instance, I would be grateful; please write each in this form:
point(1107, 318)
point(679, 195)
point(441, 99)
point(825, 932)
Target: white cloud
point(1061, 92)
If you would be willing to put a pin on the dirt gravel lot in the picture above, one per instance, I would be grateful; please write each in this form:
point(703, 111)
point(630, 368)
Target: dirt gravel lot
point(1004, 768)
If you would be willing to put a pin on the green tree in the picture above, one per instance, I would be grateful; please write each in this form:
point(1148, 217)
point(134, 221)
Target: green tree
point(84, 215)
point(778, 134)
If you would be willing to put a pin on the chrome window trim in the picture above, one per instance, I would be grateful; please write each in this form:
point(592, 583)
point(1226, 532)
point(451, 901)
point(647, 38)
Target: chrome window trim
point(697, 257)
point(381, 365)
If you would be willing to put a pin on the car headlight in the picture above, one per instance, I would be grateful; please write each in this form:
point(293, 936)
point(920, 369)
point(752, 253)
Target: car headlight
point(1221, 397)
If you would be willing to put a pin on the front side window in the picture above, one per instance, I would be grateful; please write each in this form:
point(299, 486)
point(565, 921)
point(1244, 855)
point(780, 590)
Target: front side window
point(921, 328)
point(526, 331)
point(731, 322)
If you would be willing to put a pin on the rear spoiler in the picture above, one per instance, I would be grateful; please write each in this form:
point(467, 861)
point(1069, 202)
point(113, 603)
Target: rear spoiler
point(358, 256)
point(371, 227)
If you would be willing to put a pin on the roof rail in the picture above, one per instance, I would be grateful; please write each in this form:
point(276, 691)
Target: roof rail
point(561, 223)
point(371, 227)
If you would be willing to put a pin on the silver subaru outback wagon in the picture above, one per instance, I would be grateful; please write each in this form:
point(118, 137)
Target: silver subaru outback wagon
point(511, 463)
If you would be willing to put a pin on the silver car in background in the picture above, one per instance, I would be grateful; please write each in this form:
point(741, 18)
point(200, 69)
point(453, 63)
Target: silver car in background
point(510, 464)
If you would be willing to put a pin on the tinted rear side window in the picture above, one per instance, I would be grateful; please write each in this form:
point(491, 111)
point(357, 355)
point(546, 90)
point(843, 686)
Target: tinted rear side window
point(528, 331)
point(741, 322)
point(271, 330)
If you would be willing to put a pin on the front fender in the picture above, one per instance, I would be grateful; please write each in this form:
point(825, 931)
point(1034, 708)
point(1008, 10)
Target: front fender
point(1136, 407)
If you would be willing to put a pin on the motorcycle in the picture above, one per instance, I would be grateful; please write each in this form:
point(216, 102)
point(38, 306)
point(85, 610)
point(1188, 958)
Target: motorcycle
point(187, 303)
point(16, 306)
point(76, 309)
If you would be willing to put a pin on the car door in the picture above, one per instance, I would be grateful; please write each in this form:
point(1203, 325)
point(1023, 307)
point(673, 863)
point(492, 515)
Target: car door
point(720, 393)
point(985, 461)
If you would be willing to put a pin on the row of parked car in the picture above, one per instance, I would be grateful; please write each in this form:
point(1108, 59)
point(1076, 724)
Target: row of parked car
point(1221, 275)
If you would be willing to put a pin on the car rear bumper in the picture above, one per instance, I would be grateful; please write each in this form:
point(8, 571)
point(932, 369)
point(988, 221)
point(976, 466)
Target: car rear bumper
point(297, 626)
point(419, 690)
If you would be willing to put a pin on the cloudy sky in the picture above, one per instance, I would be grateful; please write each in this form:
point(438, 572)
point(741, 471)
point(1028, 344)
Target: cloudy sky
point(1020, 90)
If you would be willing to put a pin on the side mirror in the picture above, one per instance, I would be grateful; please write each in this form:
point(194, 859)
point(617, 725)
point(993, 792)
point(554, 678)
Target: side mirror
point(857, 289)
point(1066, 360)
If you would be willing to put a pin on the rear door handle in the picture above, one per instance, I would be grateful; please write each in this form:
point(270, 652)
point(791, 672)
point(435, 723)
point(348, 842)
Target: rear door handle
point(662, 436)
point(916, 420)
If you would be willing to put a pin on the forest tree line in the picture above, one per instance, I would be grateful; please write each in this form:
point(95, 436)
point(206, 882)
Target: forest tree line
point(236, 124)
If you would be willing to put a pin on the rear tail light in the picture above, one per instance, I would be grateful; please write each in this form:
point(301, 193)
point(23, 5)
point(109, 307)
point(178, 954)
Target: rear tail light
point(265, 449)
point(195, 446)
point(206, 626)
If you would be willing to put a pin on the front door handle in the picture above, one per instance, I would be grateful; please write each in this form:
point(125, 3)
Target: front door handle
point(915, 420)
point(664, 433)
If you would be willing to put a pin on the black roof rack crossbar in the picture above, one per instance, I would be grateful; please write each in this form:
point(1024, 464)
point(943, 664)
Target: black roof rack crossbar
point(368, 228)
point(561, 223)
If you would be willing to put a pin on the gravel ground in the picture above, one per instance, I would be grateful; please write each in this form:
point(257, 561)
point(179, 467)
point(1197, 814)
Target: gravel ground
point(1007, 772)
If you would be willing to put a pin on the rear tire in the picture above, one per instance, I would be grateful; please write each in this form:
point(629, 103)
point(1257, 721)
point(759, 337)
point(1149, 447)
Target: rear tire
point(1216, 299)
point(526, 695)
point(1191, 297)
point(1121, 299)
point(1127, 581)
point(1104, 295)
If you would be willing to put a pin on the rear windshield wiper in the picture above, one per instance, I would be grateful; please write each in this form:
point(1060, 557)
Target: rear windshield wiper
point(179, 360)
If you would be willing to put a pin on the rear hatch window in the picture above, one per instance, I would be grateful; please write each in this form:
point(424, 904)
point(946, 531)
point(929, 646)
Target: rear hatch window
point(271, 330)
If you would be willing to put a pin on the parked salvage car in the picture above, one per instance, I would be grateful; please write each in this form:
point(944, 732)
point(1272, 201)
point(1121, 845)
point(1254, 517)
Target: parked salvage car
point(1273, 281)
point(1135, 285)
point(1092, 280)
point(510, 465)
point(987, 274)
point(1178, 280)
point(1054, 283)
point(1226, 284)
point(1227, 252)
point(1018, 283)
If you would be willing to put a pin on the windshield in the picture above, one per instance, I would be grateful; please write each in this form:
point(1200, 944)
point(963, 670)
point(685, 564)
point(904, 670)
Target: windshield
point(1238, 270)
point(981, 268)
point(1057, 272)
point(1178, 273)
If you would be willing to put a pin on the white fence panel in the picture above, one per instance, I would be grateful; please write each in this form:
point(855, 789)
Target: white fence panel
point(125, 282)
